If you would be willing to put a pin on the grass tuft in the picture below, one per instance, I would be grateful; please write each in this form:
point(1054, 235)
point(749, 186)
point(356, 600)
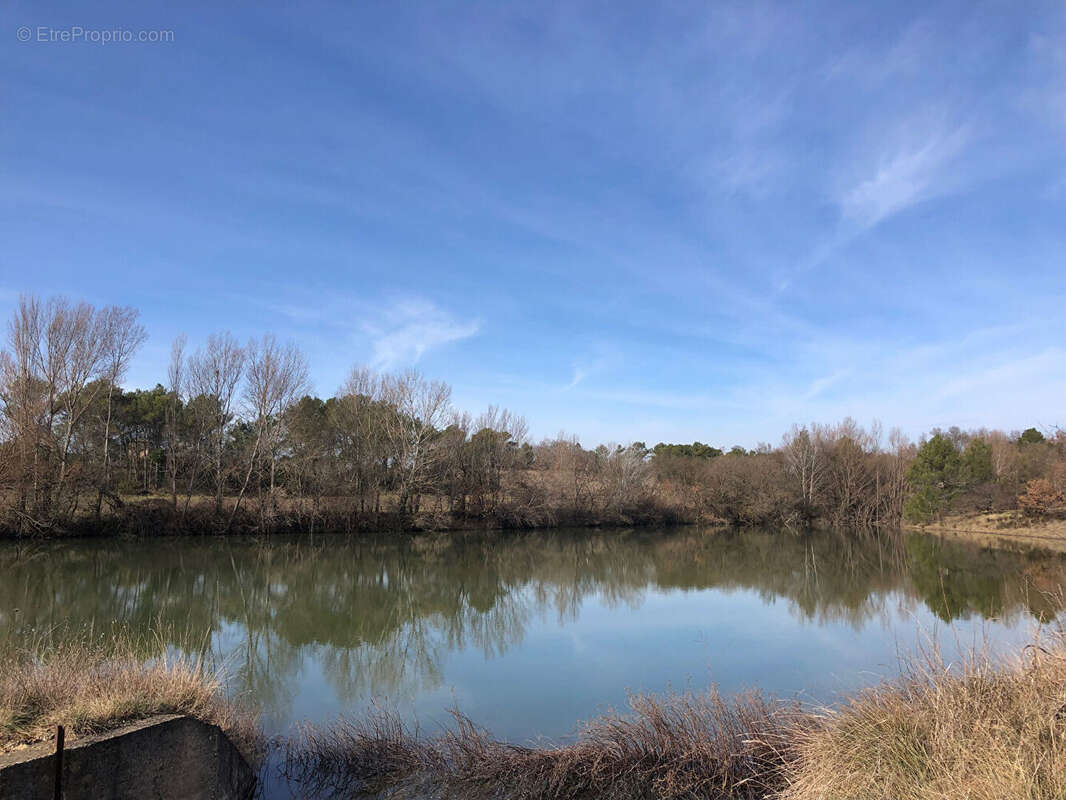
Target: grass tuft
point(91, 687)
point(983, 728)
point(680, 746)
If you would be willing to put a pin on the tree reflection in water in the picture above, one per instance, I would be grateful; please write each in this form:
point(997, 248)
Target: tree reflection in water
point(380, 615)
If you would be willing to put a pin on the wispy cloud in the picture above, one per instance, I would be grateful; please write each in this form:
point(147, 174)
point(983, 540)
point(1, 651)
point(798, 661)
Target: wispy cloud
point(903, 177)
point(919, 160)
point(1045, 97)
point(580, 373)
point(412, 327)
point(819, 385)
point(384, 334)
point(905, 57)
point(593, 365)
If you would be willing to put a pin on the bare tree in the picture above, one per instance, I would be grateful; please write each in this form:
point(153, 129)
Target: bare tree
point(624, 477)
point(27, 404)
point(456, 465)
point(364, 443)
point(214, 375)
point(1004, 455)
point(850, 476)
point(901, 456)
point(76, 358)
point(123, 336)
point(176, 449)
point(805, 461)
point(497, 433)
point(15, 372)
point(275, 377)
point(62, 356)
point(421, 407)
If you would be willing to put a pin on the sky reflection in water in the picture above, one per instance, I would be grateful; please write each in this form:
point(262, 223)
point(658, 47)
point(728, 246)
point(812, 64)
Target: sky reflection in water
point(530, 633)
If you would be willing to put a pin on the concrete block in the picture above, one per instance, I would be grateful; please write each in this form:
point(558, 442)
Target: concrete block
point(170, 757)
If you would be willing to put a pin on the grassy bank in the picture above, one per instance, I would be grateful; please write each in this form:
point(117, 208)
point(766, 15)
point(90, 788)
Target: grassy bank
point(92, 687)
point(1003, 529)
point(982, 729)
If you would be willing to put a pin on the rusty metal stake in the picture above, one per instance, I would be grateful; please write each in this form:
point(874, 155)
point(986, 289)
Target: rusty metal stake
point(59, 762)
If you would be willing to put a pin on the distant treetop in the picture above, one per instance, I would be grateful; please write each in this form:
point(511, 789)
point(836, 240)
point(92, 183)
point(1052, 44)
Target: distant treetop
point(694, 450)
point(1031, 436)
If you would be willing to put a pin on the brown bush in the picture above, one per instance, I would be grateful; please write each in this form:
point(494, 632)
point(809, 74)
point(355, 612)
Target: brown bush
point(1040, 497)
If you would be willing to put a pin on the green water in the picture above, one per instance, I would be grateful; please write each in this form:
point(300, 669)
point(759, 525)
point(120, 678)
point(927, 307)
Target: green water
point(530, 633)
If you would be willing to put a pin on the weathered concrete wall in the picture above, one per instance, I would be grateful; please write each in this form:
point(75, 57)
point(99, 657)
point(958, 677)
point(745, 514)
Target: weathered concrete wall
point(162, 758)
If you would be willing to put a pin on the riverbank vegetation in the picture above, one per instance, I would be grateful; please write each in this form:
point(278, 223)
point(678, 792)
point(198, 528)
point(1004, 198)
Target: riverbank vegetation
point(92, 685)
point(232, 441)
point(981, 729)
point(695, 744)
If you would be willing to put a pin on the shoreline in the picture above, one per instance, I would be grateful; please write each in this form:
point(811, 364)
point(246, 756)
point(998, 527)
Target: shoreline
point(156, 518)
point(1009, 529)
point(107, 529)
point(151, 519)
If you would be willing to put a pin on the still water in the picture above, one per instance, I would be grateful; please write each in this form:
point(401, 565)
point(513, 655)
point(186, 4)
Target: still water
point(530, 633)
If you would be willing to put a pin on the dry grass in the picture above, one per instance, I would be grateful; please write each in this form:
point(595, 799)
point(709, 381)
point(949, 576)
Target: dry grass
point(1005, 528)
point(692, 745)
point(983, 729)
point(980, 729)
point(91, 687)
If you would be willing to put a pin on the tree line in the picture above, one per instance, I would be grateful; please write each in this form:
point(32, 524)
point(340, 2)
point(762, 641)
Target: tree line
point(232, 440)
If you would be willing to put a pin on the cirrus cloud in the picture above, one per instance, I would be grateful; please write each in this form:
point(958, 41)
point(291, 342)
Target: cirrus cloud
point(410, 328)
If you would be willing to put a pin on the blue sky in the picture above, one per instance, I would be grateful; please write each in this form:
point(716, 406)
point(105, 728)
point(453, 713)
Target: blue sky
point(642, 221)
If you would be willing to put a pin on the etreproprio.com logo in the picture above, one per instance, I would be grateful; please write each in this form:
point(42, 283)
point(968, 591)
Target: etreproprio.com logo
point(77, 34)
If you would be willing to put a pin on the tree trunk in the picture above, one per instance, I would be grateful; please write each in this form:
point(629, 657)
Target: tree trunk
point(247, 477)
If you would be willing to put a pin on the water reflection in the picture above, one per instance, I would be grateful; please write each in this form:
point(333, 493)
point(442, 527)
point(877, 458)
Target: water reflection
point(383, 616)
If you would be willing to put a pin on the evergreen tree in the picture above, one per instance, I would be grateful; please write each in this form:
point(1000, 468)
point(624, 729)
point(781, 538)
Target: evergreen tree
point(934, 477)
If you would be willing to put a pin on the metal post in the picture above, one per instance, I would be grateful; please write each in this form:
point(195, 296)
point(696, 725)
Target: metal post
point(59, 762)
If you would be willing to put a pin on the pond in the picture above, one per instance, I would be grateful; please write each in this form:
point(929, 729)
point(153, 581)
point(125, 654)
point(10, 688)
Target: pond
point(529, 633)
